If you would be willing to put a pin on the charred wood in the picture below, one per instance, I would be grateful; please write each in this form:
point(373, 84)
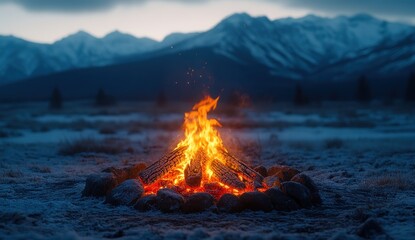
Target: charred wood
point(162, 166)
point(193, 171)
point(226, 175)
point(248, 173)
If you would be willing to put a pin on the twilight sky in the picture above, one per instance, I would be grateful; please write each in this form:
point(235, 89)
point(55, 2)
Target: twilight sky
point(49, 20)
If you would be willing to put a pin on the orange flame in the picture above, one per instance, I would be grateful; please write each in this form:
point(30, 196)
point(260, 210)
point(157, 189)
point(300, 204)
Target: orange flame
point(200, 135)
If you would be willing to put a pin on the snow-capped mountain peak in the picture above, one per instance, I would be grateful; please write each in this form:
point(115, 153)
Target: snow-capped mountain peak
point(78, 37)
point(290, 48)
point(293, 48)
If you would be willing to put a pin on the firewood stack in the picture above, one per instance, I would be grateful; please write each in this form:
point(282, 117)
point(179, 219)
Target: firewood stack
point(161, 167)
point(193, 171)
point(232, 172)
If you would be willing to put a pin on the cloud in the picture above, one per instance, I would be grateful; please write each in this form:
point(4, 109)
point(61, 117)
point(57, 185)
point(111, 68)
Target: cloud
point(399, 8)
point(80, 5)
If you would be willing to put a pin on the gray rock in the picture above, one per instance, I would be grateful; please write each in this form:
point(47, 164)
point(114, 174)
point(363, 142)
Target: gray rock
point(261, 170)
point(285, 173)
point(272, 181)
point(371, 229)
point(169, 200)
point(117, 234)
point(99, 185)
point(120, 174)
point(359, 214)
point(280, 201)
point(306, 181)
point(198, 202)
point(256, 201)
point(146, 203)
point(229, 203)
point(309, 183)
point(123, 174)
point(126, 193)
point(298, 192)
point(133, 171)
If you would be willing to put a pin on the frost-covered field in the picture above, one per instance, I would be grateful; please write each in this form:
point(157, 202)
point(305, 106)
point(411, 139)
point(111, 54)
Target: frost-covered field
point(362, 159)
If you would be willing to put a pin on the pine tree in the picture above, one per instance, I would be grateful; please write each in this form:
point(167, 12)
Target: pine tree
point(363, 90)
point(161, 99)
point(55, 101)
point(410, 88)
point(102, 99)
point(299, 97)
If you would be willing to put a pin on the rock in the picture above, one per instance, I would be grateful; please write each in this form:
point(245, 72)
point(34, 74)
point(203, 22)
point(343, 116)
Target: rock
point(256, 201)
point(261, 170)
point(126, 193)
point(120, 174)
point(133, 171)
point(146, 203)
point(306, 181)
point(272, 181)
point(285, 173)
point(198, 202)
point(123, 174)
point(359, 214)
point(309, 183)
point(280, 201)
point(370, 229)
point(169, 200)
point(99, 185)
point(298, 192)
point(229, 203)
point(117, 234)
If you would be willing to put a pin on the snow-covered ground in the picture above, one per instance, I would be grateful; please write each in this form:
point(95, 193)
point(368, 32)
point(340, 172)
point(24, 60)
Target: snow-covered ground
point(362, 159)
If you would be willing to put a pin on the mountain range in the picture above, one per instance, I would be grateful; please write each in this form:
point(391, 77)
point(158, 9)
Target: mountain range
point(250, 55)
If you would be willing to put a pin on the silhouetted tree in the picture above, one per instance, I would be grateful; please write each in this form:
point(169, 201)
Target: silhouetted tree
point(390, 97)
point(55, 101)
point(299, 97)
point(161, 99)
point(102, 99)
point(363, 90)
point(410, 88)
point(333, 96)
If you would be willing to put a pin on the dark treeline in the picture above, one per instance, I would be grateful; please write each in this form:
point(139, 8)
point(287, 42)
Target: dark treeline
point(363, 89)
point(55, 101)
point(102, 99)
point(410, 88)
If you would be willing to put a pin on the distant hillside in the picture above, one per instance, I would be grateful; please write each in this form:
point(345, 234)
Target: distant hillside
point(20, 59)
point(180, 77)
point(256, 56)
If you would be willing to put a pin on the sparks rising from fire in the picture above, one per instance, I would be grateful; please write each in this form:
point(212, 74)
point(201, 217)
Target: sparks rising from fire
point(200, 162)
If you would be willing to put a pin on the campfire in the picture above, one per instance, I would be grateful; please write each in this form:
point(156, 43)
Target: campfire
point(200, 173)
point(200, 162)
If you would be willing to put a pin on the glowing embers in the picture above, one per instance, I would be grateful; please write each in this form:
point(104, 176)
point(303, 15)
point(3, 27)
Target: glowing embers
point(200, 162)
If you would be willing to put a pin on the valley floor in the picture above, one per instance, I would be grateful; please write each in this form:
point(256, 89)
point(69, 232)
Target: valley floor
point(361, 158)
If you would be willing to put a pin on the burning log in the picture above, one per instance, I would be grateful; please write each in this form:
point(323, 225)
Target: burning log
point(193, 170)
point(159, 168)
point(226, 175)
point(248, 173)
